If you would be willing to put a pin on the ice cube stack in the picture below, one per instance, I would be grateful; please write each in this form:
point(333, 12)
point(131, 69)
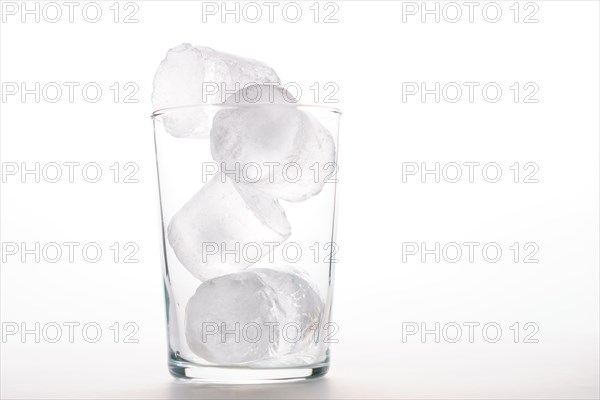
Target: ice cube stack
point(258, 126)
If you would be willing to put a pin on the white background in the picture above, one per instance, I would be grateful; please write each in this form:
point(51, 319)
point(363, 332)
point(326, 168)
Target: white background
point(368, 53)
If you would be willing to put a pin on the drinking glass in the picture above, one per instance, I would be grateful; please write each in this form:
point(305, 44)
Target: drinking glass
point(248, 258)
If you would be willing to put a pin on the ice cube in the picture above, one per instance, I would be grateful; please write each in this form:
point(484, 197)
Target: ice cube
point(225, 228)
point(191, 75)
point(265, 132)
point(300, 309)
point(258, 316)
point(227, 320)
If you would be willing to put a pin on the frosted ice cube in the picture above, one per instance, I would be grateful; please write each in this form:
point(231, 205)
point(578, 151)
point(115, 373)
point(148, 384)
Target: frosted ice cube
point(300, 309)
point(227, 319)
point(290, 148)
point(259, 316)
point(191, 75)
point(225, 228)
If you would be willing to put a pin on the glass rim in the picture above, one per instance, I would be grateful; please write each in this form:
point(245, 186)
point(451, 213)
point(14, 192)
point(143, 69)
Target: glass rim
point(162, 111)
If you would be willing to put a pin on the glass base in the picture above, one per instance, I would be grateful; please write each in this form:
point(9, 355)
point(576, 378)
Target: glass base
point(189, 372)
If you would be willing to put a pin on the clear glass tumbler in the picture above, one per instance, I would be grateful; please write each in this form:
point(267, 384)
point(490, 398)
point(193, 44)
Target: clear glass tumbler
point(248, 210)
